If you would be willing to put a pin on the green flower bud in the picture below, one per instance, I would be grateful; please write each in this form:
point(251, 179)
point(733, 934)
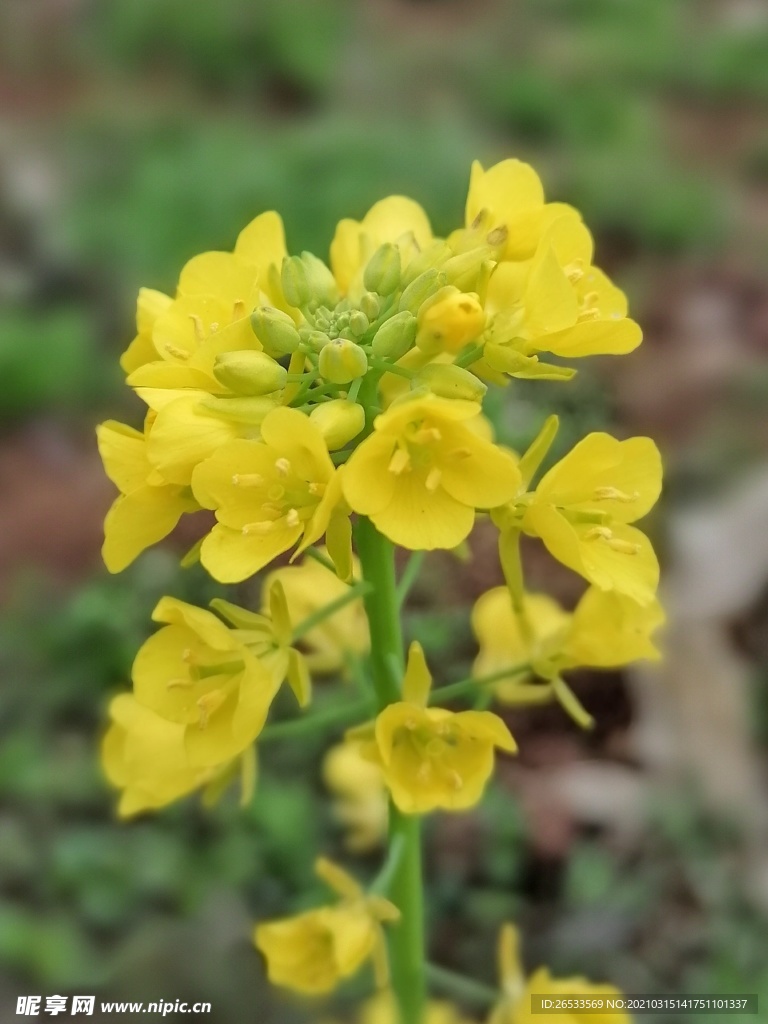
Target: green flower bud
point(295, 282)
point(321, 282)
point(432, 258)
point(275, 330)
point(382, 272)
point(370, 304)
point(317, 340)
point(248, 372)
point(426, 284)
point(358, 323)
point(396, 336)
point(342, 361)
point(450, 381)
point(464, 270)
point(242, 410)
point(338, 421)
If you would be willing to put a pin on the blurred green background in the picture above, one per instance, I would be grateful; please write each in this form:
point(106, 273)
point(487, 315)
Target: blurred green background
point(136, 133)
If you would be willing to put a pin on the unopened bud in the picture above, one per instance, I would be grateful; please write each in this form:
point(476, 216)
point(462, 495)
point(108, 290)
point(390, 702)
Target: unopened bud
point(370, 304)
point(382, 272)
point(242, 410)
point(358, 323)
point(450, 381)
point(295, 282)
point(317, 340)
point(431, 258)
point(419, 291)
point(449, 320)
point(275, 330)
point(321, 282)
point(248, 372)
point(396, 336)
point(338, 421)
point(464, 270)
point(342, 361)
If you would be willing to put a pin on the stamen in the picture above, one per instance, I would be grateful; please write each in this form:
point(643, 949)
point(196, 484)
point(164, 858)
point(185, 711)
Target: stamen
point(199, 328)
point(238, 310)
point(455, 780)
point(588, 314)
point(317, 489)
point(575, 270)
point(247, 479)
point(175, 351)
point(179, 684)
point(283, 466)
point(598, 533)
point(265, 526)
point(410, 724)
point(625, 547)
point(433, 479)
point(292, 518)
point(460, 453)
point(276, 492)
point(208, 704)
point(400, 461)
point(427, 434)
point(498, 236)
point(614, 494)
point(482, 215)
point(214, 326)
point(188, 656)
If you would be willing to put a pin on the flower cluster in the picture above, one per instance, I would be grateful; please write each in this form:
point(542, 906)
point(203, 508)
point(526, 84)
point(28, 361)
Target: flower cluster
point(304, 403)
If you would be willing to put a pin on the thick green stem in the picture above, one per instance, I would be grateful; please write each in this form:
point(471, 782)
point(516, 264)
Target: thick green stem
point(406, 938)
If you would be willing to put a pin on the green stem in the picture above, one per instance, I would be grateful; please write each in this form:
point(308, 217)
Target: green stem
point(461, 987)
point(307, 724)
point(410, 575)
point(303, 627)
point(470, 685)
point(406, 938)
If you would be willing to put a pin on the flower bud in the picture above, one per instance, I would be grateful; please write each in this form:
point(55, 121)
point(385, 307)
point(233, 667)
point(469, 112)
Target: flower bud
point(370, 304)
point(251, 410)
point(382, 272)
point(320, 281)
point(248, 372)
point(275, 330)
point(431, 258)
point(418, 291)
point(450, 381)
point(449, 320)
point(463, 270)
point(295, 282)
point(358, 323)
point(338, 421)
point(341, 361)
point(396, 336)
point(317, 340)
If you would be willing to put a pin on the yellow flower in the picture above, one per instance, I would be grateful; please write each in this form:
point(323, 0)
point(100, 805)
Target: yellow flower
point(361, 803)
point(449, 320)
point(507, 201)
point(423, 472)
point(312, 952)
point(150, 305)
point(515, 1003)
point(310, 587)
point(270, 638)
point(148, 507)
point(431, 757)
point(395, 219)
point(268, 495)
point(582, 509)
point(210, 314)
point(199, 674)
point(144, 755)
point(606, 630)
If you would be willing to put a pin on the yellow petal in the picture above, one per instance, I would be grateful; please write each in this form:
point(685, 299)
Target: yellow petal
point(231, 556)
point(418, 679)
point(484, 725)
point(262, 242)
point(422, 520)
point(141, 519)
point(123, 452)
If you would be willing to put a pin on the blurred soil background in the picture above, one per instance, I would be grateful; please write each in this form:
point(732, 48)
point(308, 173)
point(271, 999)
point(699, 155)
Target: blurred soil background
point(136, 133)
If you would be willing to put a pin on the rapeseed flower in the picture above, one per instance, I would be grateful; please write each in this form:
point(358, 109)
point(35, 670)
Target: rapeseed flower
point(312, 952)
point(360, 797)
point(197, 673)
point(148, 507)
point(422, 473)
point(268, 495)
point(517, 991)
point(432, 758)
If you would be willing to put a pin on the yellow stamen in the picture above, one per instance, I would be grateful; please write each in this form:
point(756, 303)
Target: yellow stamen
point(175, 351)
point(178, 684)
point(208, 704)
point(188, 656)
point(625, 547)
point(614, 494)
point(456, 780)
point(292, 518)
point(283, 466)
point(400, 461)
point(238, 310)
point(199, 328)
point(498, 236)
point(317, 489)
point(433, 479)
point(265, 526)
point(598, 533)
point(426, 435)
point(247, 479)
point(575, 271)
